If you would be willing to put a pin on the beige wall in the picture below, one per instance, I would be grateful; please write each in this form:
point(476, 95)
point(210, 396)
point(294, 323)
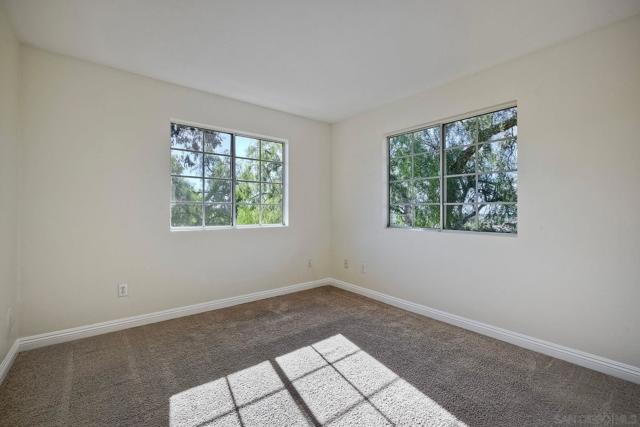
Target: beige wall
point(572, 275)
point(94, 196)
point(95, 183)
point(9, 64)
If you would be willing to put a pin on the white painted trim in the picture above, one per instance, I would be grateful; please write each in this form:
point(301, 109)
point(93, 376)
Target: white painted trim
point(8, 360)
point(577, 357)
point(587, 360)
point(56, 337)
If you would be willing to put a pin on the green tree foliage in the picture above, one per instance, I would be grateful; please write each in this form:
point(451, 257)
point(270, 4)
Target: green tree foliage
point(201, 172)
point(414, 173)
point(260, 186)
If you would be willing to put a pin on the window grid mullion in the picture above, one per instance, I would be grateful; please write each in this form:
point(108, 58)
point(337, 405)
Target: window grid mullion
point(388, 182)
point(443, 188)
point(412, 187)
point(260, 182)
point(426, 178)
point(233, 180)
point(475, 190)
point(478, 143)
point(202, 217)
point(282, 187)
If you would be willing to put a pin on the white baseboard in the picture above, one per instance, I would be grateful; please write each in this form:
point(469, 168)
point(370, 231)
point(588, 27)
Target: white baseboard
point(587, 360)
point(597, 363)
point(56, 337)
point(8, 360)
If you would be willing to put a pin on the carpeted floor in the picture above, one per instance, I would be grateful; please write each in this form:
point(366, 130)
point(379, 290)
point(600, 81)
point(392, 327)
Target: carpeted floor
point(318, 357)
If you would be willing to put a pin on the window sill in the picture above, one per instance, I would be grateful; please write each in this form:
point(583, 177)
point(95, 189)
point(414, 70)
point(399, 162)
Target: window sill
point(438, 230)
point(225, 227)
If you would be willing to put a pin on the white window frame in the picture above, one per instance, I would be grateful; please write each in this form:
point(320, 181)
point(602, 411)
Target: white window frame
point(443, 175)
point(235, 133)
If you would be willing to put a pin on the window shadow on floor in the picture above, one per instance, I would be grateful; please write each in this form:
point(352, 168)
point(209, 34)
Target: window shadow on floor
point(329, 383)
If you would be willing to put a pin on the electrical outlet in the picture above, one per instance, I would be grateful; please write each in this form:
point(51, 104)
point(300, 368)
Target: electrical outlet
point(123, 290)
point(346, 263)
point(309, 264)
point(362, 269)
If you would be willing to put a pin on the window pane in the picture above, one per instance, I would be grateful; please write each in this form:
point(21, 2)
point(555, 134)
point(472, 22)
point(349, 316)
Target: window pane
point(217, 190)
point(427, 140)
point(186, 189)
point(205, 190)
point(427, 191)
point(461, 160)
point(400, 145)
point(247, 192)
point(480, 166)
point(217, 142)
point(186, 163)
point(186, 137)
point(217, 166)
point(498, 187)
point(498, 125)
point(271, 151)
point(461, 189)
point(400, 168)
point(217, 214)
point(400, 192)
point(186, 215)
point(498, 218)
point(271, 172)
point(427, 216)
point(271, 214)
point(400, 216)
point(462, 132)
point(247, 170)
point(426, 165)
point(498, 156)
point(247, 147)
point(461, 217)
point(272, 194)
point(247, 214)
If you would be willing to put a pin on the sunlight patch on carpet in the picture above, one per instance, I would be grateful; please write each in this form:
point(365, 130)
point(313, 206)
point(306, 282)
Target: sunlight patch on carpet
point(339, 385)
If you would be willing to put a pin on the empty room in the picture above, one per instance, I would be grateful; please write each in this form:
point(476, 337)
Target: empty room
point(244, 213)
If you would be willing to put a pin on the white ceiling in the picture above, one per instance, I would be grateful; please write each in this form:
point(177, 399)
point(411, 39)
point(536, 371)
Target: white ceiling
point(323, 59)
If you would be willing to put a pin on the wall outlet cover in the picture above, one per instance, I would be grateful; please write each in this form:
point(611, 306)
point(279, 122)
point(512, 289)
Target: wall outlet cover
point(123, 290)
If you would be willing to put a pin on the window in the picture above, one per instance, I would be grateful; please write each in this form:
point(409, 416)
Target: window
point(460, 175)
point(221, 179)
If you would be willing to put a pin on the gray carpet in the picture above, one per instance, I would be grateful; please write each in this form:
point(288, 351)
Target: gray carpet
point(318, 357)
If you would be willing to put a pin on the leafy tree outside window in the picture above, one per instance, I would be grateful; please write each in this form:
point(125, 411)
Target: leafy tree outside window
point(414, 179)
point(478, 180)
point(223, 179)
